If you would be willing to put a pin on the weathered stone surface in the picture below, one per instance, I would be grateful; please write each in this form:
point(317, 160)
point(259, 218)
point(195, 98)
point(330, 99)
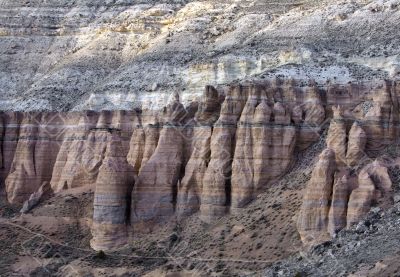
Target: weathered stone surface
point(154, 195)
point(136, 149)
point(242, 184)
point(337, 137)
point(263, 152)
point(35, 197)
point(313, 108)
point(184, 162)
point(69, 158)
point(1, 139)
point(12, 122)
point(209, 108)
point(216, 181)
point(309, 115)
point(382, 181)
point(152, 135)
point(361, 198)
point(381, 119)
point(35, 156)
point(357, 140)
point(338, 209)
point(113, 186)
point(191, 187)
point(312, 222)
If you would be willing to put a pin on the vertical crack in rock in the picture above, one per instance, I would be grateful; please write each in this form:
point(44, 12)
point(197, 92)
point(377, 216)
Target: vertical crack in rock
point(153, 194)
point(242, 166)
point(191, 186)
point(216, 179)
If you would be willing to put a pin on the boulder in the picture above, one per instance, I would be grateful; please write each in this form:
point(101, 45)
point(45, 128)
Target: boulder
point(36, 197)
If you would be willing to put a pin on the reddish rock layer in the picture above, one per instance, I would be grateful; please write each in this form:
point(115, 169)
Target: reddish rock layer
point(214, 156)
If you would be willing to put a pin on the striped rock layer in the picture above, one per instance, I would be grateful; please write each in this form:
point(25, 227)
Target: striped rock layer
point(341, 192)
point(210, 157)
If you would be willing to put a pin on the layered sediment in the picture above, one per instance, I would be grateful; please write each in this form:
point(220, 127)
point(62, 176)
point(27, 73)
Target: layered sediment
point(340, 195)
point(211, 157)
point(111, 199)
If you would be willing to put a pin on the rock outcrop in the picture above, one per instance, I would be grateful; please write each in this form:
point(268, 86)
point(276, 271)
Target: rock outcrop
point(337, 137)
point(313, 218)
point(69, 158)
point(111, 201)
point(216, 181)
point(191, 187)
point(373, 188)
point(213, 156)
point(36, 197)
point(338, 209)
point(344, 199)
point(34, 156)
point(154, 195)
point(357, 141)
point(263, 151)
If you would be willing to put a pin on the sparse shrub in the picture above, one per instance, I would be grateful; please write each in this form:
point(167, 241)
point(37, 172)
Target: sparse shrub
point(101, 255)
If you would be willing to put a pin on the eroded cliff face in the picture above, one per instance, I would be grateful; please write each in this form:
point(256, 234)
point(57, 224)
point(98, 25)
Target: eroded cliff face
point(97, 54)
point(341, 194)
point(212, 157)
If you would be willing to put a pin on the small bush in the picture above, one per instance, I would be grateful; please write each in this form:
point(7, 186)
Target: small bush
point(101, 255)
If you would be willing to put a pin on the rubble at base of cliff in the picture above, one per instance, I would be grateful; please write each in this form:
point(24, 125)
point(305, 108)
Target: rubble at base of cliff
point(361, 250)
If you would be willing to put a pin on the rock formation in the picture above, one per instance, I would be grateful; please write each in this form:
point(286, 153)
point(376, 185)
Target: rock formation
point(361, 198)
point(343, 199)
point(357, 140)
point(154, 195)
point(313, 218)
point(213, 156)
point(111, 200)
point(34, 156)
point(337, 137)
point(263, 150)
point(340, 198)
point(191, 187)
point(216, 182)
point(36, 197)
point(72, 148)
